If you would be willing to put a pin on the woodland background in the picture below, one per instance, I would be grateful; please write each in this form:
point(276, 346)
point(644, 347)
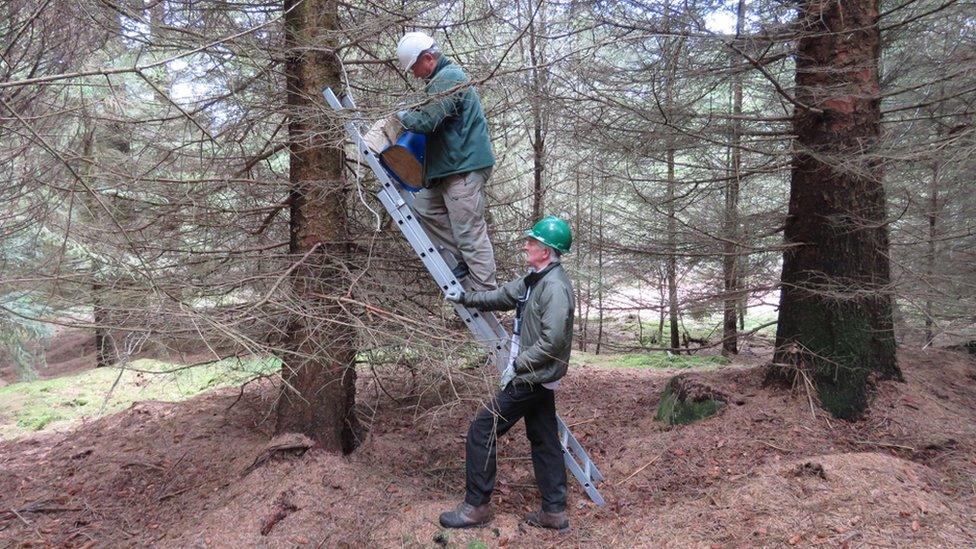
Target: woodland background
point(149, 197)
point(773, 190)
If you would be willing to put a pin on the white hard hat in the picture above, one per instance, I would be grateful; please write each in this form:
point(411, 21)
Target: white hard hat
point(410, 46)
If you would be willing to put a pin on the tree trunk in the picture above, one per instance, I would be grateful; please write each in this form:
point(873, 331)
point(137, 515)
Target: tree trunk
point(579, 258)
point(730, 257)
point(318, 372)
point(932, 251)
point(835, 317)
point(537, 57)
point(662, 306)
point(671, 267)
point(105, 354)
point(672, 259)
point(599, 290)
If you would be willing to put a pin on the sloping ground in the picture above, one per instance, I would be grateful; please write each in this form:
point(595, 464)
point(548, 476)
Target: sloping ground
point(70, 350)
point(764, 472)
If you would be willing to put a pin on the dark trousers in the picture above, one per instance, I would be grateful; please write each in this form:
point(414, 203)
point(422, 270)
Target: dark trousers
point(537, 405)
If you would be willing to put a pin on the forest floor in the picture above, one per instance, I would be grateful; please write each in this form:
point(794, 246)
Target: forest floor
point(767, 471)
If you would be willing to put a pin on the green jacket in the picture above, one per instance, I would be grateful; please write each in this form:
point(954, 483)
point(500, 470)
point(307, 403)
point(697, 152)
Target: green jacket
point(547, 321)
point(454, 122)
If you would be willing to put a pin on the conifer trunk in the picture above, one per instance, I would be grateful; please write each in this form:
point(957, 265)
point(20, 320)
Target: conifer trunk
point(835, 315)
point(319, 375)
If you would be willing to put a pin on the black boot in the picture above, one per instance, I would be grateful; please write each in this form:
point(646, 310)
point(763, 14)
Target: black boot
point(460, 270)
point(466, 516)
point(554, 521)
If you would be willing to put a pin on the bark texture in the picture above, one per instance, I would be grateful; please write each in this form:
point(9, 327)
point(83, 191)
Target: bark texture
point(672, 258)
point(319, 393)
point(835, 317)
point(731, 262)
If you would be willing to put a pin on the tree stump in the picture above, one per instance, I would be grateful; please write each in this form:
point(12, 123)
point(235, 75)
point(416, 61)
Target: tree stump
point(687, 398)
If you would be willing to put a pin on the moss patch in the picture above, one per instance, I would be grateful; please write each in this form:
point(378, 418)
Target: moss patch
point(654, 361)
point(36, 419)
point(33, 406)
point(686, 400)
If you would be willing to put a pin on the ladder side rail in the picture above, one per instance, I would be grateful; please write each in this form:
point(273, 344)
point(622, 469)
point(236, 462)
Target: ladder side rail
point(387, 185)
point(475, 320)
point(395, 203)
point(497, 327)
point(485, 327)
point(588, 486)
point(488, 330)
point(570, 442)
point(421, 244)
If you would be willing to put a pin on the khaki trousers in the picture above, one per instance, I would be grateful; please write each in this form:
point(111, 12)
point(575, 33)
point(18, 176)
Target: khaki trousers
point(453, 213)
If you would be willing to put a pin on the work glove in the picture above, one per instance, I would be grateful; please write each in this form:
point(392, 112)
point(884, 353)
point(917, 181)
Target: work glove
point(456, 297)
point(382, 134)
point(508, 375)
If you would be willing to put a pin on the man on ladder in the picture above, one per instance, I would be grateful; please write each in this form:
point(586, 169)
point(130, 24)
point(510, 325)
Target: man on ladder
point(541, 344)
point(451, 207)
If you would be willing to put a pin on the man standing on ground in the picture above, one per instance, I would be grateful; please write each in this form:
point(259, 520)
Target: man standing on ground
point(451, 207)
point(542, 340)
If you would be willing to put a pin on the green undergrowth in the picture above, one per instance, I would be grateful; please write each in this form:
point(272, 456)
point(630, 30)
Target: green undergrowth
point(653, 361)
point(40, 405)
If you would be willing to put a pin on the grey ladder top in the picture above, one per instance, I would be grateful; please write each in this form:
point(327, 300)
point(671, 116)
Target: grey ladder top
point(484, 325)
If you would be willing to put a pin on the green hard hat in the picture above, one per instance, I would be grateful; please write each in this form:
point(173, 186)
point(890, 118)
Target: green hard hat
point(552, 232)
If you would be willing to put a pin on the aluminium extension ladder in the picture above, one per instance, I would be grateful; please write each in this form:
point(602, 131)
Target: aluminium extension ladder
point(485, 327)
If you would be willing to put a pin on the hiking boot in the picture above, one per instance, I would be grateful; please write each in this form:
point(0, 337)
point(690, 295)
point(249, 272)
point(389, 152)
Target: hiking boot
point(466, 515)
point(554, 521)
point(460, 270)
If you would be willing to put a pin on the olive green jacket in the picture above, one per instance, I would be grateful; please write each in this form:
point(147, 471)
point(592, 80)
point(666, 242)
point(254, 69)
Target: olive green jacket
point(547, 321)
point(454, 122)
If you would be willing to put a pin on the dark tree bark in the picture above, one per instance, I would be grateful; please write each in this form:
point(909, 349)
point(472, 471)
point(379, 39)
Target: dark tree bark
point(672, 258)
point(835, 317)
point(730, 258)
point(663, 306)
point(675, 48)
point(930, 257)
point(319, 375)
point(579, 257)
point(539, 77)
point(600, 282)
point(105, 354)
point(582, 305)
